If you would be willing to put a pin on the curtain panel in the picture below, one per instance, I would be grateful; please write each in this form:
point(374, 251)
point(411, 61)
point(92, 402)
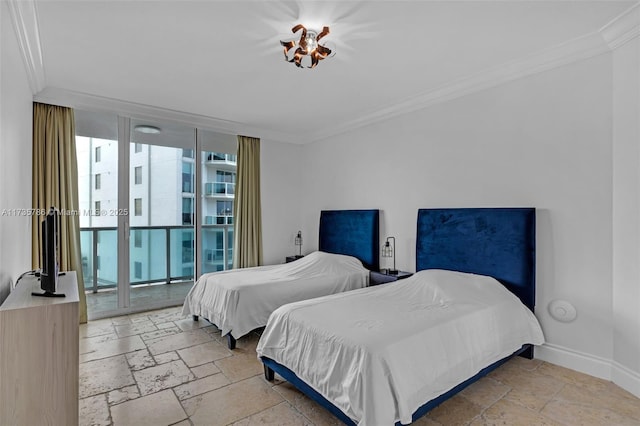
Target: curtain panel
point(55, 184)
point(247, 211)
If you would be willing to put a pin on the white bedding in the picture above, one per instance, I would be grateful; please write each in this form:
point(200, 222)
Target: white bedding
point(380, 353)
point(240, 300)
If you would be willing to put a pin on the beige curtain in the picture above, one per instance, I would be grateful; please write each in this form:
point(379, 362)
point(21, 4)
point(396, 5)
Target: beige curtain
point(247, 228)
point(55, 183)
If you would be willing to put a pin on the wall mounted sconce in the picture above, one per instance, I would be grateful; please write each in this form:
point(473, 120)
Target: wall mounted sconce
point(298, 242)
point(388, 250)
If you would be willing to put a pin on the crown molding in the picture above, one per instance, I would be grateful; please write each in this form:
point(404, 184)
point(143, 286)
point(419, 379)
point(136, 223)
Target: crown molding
point(574, 50)
point(623, 28)
point(88, 102)
point(24, 17)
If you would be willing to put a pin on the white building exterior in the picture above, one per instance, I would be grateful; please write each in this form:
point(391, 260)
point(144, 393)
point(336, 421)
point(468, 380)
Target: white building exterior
point(161, 210)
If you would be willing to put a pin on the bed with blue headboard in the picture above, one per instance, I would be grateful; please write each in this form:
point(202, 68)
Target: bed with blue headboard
point(498, 242)
point(240, 300)
point(486, 242)
point(352, 233)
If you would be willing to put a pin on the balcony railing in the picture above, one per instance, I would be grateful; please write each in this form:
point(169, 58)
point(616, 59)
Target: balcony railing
point(158, 254)
point(222, 219)
point(215, 157)
point(219, 188)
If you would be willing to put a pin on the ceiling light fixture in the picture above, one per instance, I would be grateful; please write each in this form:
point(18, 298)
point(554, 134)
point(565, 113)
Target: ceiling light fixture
point(145, 128)
point(307, 49)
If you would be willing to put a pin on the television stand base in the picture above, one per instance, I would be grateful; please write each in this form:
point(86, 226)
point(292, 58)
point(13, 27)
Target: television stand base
point(48, 294)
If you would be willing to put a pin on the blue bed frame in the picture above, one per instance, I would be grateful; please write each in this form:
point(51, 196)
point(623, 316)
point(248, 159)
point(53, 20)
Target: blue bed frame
point(499, 242)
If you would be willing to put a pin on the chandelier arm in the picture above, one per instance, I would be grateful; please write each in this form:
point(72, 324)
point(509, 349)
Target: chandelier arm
point(323, 51)
point(324, 32)
point(303, 39)
point(314, 59)
point(288, 45)
point(298, 28)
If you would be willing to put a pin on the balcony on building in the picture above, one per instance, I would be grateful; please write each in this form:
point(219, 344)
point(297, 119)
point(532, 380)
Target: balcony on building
point(220, 189)
point(220, 160)
point(219, 219)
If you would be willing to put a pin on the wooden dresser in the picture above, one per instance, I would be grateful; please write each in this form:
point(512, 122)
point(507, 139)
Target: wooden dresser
point(39, 355)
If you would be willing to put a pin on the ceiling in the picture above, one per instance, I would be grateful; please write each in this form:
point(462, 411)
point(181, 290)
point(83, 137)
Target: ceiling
point(223, 60)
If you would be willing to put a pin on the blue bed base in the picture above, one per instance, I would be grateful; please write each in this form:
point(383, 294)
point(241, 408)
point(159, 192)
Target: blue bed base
point(499, 242)
point(270, 366)
point(353, 233)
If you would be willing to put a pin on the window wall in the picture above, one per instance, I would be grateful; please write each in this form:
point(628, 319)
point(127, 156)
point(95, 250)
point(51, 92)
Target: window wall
point(162, 236)
point(175, 229)
point(218, 179)
point(97, 156)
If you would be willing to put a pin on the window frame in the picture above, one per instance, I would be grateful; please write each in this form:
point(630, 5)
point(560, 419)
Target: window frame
point(137, 175)
point(137, 206)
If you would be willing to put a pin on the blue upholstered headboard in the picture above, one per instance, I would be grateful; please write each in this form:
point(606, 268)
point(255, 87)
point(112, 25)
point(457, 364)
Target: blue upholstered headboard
point(499, 242)
point(351, 232)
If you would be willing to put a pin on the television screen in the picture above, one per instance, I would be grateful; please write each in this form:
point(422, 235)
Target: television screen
point(49, 251)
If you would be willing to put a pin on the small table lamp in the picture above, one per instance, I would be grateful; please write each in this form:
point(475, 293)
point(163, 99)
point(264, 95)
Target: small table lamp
point(298, 242)
point(389, 251)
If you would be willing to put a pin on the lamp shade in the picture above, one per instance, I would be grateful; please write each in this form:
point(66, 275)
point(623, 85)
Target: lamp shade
point(388, 250)
point(298, 242)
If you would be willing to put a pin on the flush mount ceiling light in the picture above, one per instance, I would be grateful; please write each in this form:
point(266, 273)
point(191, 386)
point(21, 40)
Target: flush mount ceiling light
point(307, 50)
point(145, 128)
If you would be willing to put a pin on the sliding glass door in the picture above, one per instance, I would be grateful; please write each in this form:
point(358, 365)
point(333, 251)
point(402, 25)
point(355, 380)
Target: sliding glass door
point(97, 156)
point(218, 182)
point(161, 213)
point(156, 204)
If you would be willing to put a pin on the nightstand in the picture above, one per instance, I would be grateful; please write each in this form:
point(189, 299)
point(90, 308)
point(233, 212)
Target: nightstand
point(292, 258)
point(376, 278)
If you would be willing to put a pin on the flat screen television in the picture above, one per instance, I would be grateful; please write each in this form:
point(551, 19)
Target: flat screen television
point(49, 253)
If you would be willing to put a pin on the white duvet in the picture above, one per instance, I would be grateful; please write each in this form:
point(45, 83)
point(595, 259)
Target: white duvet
point(380, 353)
point(240, 300)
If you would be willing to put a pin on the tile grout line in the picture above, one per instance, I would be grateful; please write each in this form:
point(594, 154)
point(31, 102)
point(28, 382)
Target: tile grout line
point(212, 336)
point(173, 389)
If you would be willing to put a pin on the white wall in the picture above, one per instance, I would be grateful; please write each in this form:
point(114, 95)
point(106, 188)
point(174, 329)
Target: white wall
point(541, 141)
point(15, 157)
point(626, 215)
point(281, 199)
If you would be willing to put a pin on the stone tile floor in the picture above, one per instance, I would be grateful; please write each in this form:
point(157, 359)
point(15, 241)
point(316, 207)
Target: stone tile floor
point(158, 368)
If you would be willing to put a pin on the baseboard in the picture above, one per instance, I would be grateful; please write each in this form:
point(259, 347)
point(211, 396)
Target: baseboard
point(627, 379)
point(93, 316)
point(590, 364)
